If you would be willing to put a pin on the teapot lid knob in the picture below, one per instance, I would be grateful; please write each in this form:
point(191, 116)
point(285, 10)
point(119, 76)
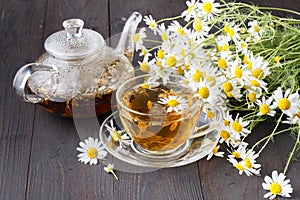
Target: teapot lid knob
point(73, 27)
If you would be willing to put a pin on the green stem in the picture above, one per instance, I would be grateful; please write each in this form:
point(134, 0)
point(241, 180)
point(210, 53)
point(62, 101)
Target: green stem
point(269, 136)
point(293, 151)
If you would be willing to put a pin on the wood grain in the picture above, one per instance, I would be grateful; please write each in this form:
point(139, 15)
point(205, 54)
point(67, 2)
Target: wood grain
point(38, 157)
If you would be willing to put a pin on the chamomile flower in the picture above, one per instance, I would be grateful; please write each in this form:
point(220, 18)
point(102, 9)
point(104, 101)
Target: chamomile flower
point(239, 126)
point(223, 44)
point(238, 72)
point(118, 135)
point(287, 103)
point(244, 160)
point(163, 32)
point(91, 150)
point(232, 31)
point(151, 23)
point(177, 29)
point(215, 152)
point(190, 12)
point(209, 94)
point(209, 9)
point(110, 169)
point(173, 103)
point(255, 30)
point(277, 185)
point(200, 28)
point(223, 60)
point(265, 107)
point(259, 68)
point(242, 46)
point(138, 38)
point(229, 137)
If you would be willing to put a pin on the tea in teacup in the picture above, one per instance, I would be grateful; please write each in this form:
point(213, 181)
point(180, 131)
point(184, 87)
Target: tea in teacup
point(159, 117)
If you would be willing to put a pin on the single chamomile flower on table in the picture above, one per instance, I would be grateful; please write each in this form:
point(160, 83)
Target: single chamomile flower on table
point(91, 150)
point(277, 185)
point(110, 169)
point(118, 135)
point(215, 152)
point(265, 107)
point(173, 103)
point(287, 103)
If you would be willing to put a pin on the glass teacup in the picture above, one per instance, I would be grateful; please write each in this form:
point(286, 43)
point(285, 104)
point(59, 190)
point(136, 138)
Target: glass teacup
point(160, 116)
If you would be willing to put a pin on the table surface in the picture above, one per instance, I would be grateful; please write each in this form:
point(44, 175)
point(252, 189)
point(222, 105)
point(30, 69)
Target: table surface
point(38, 157)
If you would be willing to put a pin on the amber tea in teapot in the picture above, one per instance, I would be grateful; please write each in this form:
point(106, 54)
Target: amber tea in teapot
point(78, 72)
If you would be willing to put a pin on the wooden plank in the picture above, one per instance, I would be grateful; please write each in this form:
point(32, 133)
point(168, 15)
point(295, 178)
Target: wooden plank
point(54, 171)
point(20, 38)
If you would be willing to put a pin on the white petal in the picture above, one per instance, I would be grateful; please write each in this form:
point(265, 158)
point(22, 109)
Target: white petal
point(83, 145)
point(268, 180)
point(267, 195)
point(266, 186)
point(80, 149)
point(274, 175)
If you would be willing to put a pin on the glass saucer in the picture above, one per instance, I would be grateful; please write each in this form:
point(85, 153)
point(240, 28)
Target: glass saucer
point(192, 150)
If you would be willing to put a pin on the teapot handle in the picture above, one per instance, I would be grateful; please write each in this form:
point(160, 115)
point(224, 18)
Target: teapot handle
point(22, 76)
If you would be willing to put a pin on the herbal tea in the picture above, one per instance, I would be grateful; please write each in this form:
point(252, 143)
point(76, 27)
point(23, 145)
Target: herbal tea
point(161, 122)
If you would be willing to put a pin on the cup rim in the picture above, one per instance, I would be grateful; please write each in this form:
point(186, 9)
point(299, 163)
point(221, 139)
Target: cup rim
point(119, 102)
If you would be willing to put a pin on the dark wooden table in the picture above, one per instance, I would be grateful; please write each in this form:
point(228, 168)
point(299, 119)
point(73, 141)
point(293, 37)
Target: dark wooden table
point(38, 157)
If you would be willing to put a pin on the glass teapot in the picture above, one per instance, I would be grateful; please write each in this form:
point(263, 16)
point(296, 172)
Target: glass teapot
point(78, 71)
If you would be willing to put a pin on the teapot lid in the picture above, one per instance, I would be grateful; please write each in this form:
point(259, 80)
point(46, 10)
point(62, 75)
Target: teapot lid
point(74, 42)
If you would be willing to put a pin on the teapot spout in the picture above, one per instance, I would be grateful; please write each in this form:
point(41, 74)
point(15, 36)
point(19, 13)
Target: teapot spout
point(126, 43)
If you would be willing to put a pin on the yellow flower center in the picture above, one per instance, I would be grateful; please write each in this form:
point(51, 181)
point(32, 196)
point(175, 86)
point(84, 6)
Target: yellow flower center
point(264, 109)
point(144, 67)
point(225, 134)
point(210, 114)
point(226, 47)
point(275, 188)
point(258, 73)
point(220, 48)
point(222, 63)
point(248, 163)
point(173, 102)
point(136, 37)
point(243, 30)
point(243, 45)
point(231, 32)
point(284, 104)
point(238, 72)
point(191, 8)
point(227, 86)
point(203, 92)
point(226, 122)
point(164, 36)
point(197, 25)
point(277, 59)
point(211, 80)
point(92, 152)
point(197, 76)
point(252, 97)
point(186, 66)
point(256, 28)
point(180, 71)
point(171, 61)
point(226, 28)
point(236, 154)
point(215, 150)
point(160, 54)
point(158, 63)
point(237, 127)
point(239, 167)
point(152, 25)
point(245, 59)
point(229, 94)
point(255, 83)
point(180, 31)
point(207, 7)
